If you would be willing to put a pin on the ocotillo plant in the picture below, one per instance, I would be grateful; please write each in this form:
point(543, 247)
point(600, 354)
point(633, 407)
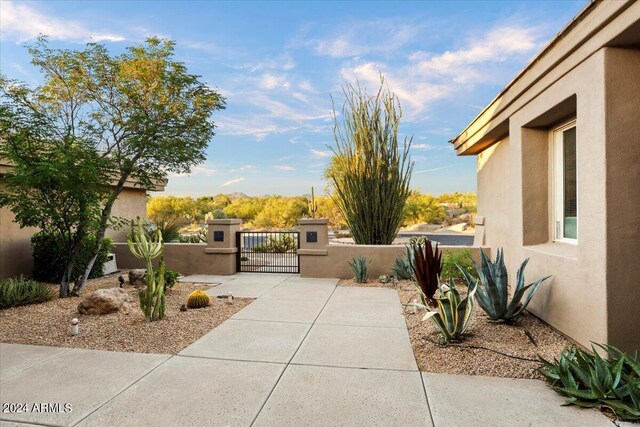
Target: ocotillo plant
point(313, 205)
point(152, 299)
point(370, 171)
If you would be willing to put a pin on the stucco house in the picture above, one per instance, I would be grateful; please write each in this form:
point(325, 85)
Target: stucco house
point(15, 243)
point(558, 174)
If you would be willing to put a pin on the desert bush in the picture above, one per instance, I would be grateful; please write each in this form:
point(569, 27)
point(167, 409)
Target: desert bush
point(426, 263)
point(49, 259)
point(21, 291)
point(281, 244)
point(359, 268)
point(588, 380)
point(454, 261)
point(493, 288)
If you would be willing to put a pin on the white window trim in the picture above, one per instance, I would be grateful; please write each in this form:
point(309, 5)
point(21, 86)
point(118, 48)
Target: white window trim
point(558, 183)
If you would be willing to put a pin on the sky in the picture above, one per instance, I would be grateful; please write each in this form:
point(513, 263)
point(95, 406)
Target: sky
point(281, 65)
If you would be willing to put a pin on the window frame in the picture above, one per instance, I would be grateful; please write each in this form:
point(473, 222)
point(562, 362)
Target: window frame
point(557, 155)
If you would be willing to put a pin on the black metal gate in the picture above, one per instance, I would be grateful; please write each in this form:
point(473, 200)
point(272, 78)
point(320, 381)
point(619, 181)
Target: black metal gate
point(268, 251)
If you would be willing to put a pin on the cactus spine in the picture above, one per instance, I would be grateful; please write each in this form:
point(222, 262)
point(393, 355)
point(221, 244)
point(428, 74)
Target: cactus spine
point(152, 299)
point(313, 205)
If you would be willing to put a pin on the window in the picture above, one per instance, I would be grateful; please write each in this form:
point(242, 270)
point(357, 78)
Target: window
point(565, 183)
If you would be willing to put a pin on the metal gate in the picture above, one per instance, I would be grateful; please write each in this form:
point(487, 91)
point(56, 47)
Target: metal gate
point(268, 251)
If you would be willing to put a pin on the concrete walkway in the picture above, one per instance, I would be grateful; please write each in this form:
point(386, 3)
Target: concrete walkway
point(304, 353)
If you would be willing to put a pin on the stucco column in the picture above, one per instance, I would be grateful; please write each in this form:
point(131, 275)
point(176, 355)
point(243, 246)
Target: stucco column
point(221, 244)
point(314, 239)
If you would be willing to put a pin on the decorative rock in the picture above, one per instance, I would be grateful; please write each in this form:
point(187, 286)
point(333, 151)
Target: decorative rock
point(105, 301)
point(136, 278)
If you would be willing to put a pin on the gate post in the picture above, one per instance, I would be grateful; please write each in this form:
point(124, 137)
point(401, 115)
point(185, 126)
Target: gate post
point(314, 239)
point(221, 243)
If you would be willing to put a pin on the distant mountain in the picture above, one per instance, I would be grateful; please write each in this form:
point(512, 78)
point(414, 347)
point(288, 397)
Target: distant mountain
point(237, 195)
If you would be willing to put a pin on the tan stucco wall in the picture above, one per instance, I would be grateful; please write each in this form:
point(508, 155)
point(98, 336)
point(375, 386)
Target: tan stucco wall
point(589, 296)
point(380, 259)
point(15, 243)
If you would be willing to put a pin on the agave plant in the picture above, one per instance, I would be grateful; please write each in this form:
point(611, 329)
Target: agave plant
point(586, 379)
point(493, 288)
point(453, 316)
point(401, 269)
point(359, 268)
point(426, 263)
point(152, 299)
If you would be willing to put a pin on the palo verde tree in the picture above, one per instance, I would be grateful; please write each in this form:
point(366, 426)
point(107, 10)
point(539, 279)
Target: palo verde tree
point(141, 111)
point(370, 170)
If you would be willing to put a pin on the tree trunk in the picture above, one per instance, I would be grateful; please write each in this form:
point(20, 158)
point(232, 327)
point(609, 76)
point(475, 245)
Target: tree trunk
point(82, 280)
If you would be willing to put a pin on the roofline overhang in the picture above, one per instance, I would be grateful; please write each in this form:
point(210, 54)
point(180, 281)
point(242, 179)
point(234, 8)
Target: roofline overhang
point(585, 29)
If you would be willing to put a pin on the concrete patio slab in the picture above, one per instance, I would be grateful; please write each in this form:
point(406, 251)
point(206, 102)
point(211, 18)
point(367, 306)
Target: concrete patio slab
point(460, 400)
point(18, 357)
point(362, 314)
point(12, 424)
point(356, 294)
point(206, 278)
point(357, 347)
point(299, 290)
point(258, 278)
point(276, 310)
point(192, 391)
point(297, 279)
point(322, 396)
point(242, 290)
point(250, 340)
point(86, 379)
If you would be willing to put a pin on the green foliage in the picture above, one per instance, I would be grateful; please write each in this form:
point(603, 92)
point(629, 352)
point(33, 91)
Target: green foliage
point(170, 278)
point(423, 208)
point(199, 236)
point(453, 316)
point(21, 291)
point(152, 299)
point(401, 269)
point(100, 120)
point(245, 208)
point(281, 243)
point(493, 288)
point(49, 260)
point(588, 380)
point(426, 263)
point(455, 261)
point(372, 172)
point(359, 268)
point(198, 299)
point(281, 212)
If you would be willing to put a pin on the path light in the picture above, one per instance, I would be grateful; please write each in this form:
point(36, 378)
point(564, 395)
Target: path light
point(415, 307)
point(230, 298)
point(74, 326)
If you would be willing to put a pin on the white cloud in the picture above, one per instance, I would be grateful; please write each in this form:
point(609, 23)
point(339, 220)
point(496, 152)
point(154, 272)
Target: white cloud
point(320, 153)
point(428, 77)
point(197, 170)
point(232, 181)
point(271, 81)
point(422, 147)
point(25, 23)
point(431, 170)
point(284, 168)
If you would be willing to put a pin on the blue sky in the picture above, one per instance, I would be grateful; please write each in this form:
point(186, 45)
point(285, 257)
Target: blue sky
point(278, 64)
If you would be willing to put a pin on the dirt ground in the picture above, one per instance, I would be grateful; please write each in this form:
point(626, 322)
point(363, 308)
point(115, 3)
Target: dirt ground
point(490, 348)
point(49, 323)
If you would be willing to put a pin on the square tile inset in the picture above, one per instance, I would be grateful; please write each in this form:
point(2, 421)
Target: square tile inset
point(85, 379)
point(362, 314)
point(192, 391)
point(322, 396)
point(357, 347)
point(250, 340)
point(280, 310)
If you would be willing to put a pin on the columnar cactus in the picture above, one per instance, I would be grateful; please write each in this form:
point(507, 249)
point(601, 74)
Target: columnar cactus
point(313, 205)
point(152, 299)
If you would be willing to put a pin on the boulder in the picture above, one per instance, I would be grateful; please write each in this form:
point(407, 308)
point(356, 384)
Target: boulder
point(105, 301)
point(136, 278)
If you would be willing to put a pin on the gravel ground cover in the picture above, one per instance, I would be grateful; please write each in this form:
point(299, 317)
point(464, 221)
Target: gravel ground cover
point(490, 348)
point(49, 323)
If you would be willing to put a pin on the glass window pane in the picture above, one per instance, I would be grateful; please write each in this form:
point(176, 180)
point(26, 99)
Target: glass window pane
point(570, 213)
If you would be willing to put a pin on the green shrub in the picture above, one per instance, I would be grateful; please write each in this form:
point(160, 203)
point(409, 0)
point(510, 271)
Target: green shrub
point(493, 288)
point(281, 243)
point(359, 268)
point(49, 257)
point(170, 278)
point(453, 261)
point(21, 291)
point(586, 379)
point(401, 269)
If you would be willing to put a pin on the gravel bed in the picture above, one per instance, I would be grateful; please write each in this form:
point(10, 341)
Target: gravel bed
point(490, 348)
point(49, 323)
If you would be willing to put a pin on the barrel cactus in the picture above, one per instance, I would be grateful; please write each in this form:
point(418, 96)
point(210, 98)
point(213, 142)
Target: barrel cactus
point(198, 299)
